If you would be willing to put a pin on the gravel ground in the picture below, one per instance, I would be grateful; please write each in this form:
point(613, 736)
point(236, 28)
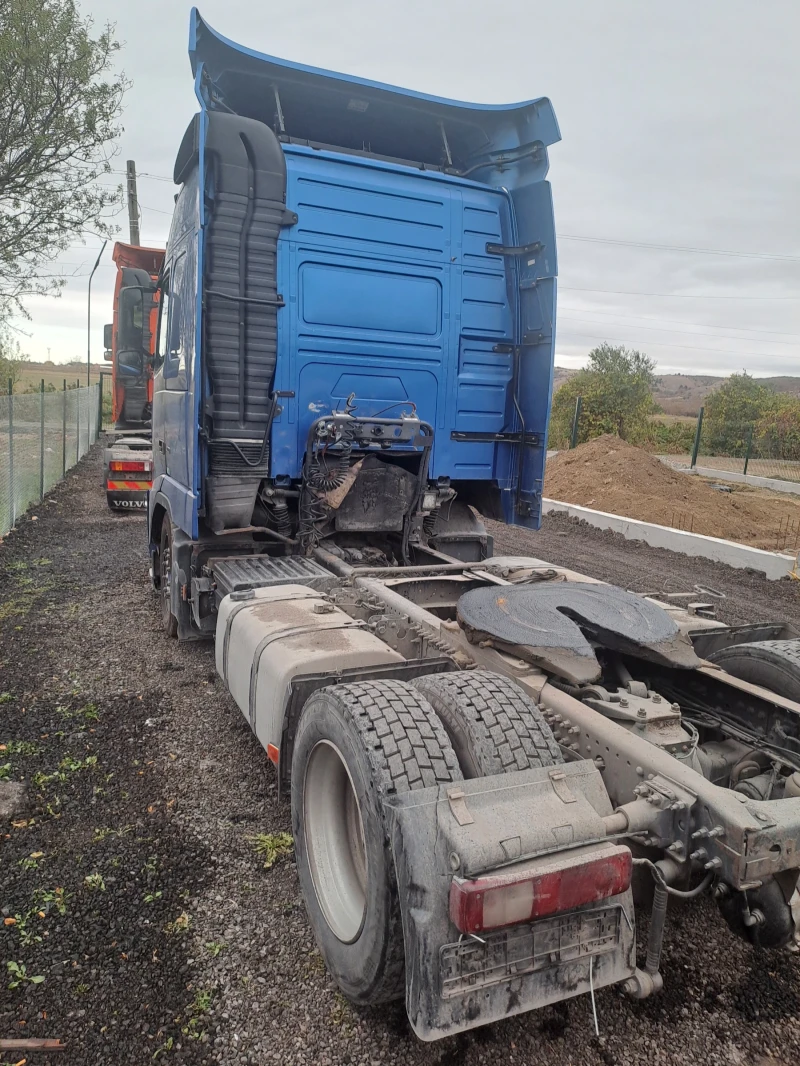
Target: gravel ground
point(134, 886)
point(565, 541)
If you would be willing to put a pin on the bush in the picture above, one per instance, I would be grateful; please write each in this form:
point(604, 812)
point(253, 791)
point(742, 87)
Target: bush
point(776, 434)
point(616, 390)
point(669, 438)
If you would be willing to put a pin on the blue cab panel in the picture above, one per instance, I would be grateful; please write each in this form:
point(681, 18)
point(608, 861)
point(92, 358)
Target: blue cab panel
point(395, 299)
point(386, 244)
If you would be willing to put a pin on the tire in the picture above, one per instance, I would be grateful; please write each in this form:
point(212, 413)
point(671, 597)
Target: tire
point(494, 727)
point(773, 664)
point(168, 619)
point(356, 745)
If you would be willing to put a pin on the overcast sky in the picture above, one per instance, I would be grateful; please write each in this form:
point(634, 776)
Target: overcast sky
point(679, 125)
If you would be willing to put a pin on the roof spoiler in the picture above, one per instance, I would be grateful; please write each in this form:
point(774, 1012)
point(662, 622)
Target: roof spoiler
point(308, 105)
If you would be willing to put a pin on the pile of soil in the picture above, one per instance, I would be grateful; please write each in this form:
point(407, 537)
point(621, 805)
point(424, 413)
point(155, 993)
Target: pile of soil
point(608, 474)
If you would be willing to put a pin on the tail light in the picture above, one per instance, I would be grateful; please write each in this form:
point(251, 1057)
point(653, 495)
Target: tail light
point(140, 466)
point(539, 889)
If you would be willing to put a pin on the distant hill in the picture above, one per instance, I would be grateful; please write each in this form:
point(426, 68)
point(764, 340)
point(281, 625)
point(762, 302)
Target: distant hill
point(684, 394)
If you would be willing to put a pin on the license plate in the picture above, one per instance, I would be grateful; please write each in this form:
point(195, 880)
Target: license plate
point(523, 949)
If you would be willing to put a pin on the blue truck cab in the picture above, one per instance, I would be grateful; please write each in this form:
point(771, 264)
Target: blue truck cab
point(356, 328)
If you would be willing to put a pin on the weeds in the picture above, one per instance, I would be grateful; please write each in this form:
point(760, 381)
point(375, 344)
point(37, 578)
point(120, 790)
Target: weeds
point(272, 846)
point(179, 926)
point(94, 882)
point(88, 713)
point(6, 697)
point(32, 861)
point(18, 972)
point(20, 747)
point(168, 1045)
point(19, 923)
point(101, 832)
point(28, 593)
point(341, 1014)
point(196, 1010)
point(68, 765)
point(202, 1002)
point(151, 897)
point(47, 899)
point(214, 947)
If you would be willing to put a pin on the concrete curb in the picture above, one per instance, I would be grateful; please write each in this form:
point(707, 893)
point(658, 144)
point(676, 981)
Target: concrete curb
point(773, 483)
point(748, 479)
point(772, 564)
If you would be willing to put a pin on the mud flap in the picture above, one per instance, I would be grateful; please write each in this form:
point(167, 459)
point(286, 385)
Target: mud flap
point(456, 982)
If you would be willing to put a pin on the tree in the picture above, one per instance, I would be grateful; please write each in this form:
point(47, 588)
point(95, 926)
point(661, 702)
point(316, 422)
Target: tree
point(732, 411)
point(60, 106)
point(616, 390)
point(12, 358)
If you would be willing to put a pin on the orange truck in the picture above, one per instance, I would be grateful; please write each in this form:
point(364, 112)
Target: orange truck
point(130, 341)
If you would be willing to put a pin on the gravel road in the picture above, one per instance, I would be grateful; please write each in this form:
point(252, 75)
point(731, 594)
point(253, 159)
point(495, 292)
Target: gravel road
point(134, 885)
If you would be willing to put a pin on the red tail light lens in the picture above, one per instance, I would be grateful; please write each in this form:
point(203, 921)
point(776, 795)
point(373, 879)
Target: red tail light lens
point(539, 889)
point(138, 466)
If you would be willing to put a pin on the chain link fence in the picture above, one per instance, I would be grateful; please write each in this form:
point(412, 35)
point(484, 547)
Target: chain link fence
point(749, 448)
point(768, 449)
point(42, 435)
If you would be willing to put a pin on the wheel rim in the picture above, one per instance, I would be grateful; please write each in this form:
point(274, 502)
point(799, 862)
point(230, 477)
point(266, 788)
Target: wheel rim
point(334, 835)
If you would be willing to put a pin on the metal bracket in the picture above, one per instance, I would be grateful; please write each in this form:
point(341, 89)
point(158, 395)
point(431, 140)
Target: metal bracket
point(558, 779)
point(458, 806)
point(523, 249)
point(496, 438)
point(279, 109)
point(289, 218)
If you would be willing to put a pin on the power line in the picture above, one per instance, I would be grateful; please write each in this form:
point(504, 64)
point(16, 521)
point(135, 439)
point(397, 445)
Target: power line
point(145, 174)
point(668, 329)
point(157, 210)
point(673, 295)
point(691, 333)
point(659, 344)
point(678, 248)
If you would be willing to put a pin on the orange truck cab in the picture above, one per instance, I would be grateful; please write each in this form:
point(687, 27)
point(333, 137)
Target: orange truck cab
point(130, 345)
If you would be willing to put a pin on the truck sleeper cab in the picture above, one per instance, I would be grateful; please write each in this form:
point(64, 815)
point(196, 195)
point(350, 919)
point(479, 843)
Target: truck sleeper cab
point(355, 338)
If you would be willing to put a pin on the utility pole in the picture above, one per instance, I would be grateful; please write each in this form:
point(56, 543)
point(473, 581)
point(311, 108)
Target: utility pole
point(133, 203)
point(89, 319)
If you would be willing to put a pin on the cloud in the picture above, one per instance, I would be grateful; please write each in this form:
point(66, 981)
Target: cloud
point(676, 121)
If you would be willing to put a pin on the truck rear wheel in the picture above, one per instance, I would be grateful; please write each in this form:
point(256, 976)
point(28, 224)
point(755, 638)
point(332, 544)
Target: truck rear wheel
point(493, 725)
point(773, 664)
point(168, 619)
point(356, 745)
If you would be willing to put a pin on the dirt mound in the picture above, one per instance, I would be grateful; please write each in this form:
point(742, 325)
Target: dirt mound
point(611, 475)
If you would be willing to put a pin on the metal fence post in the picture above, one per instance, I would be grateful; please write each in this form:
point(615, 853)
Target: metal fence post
point(12, 501)
point(41, 440)
point(576, 418)
point(99, 408)
point(748, 449)
point(77, 420)
point(697, 432)
point(63, 432)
